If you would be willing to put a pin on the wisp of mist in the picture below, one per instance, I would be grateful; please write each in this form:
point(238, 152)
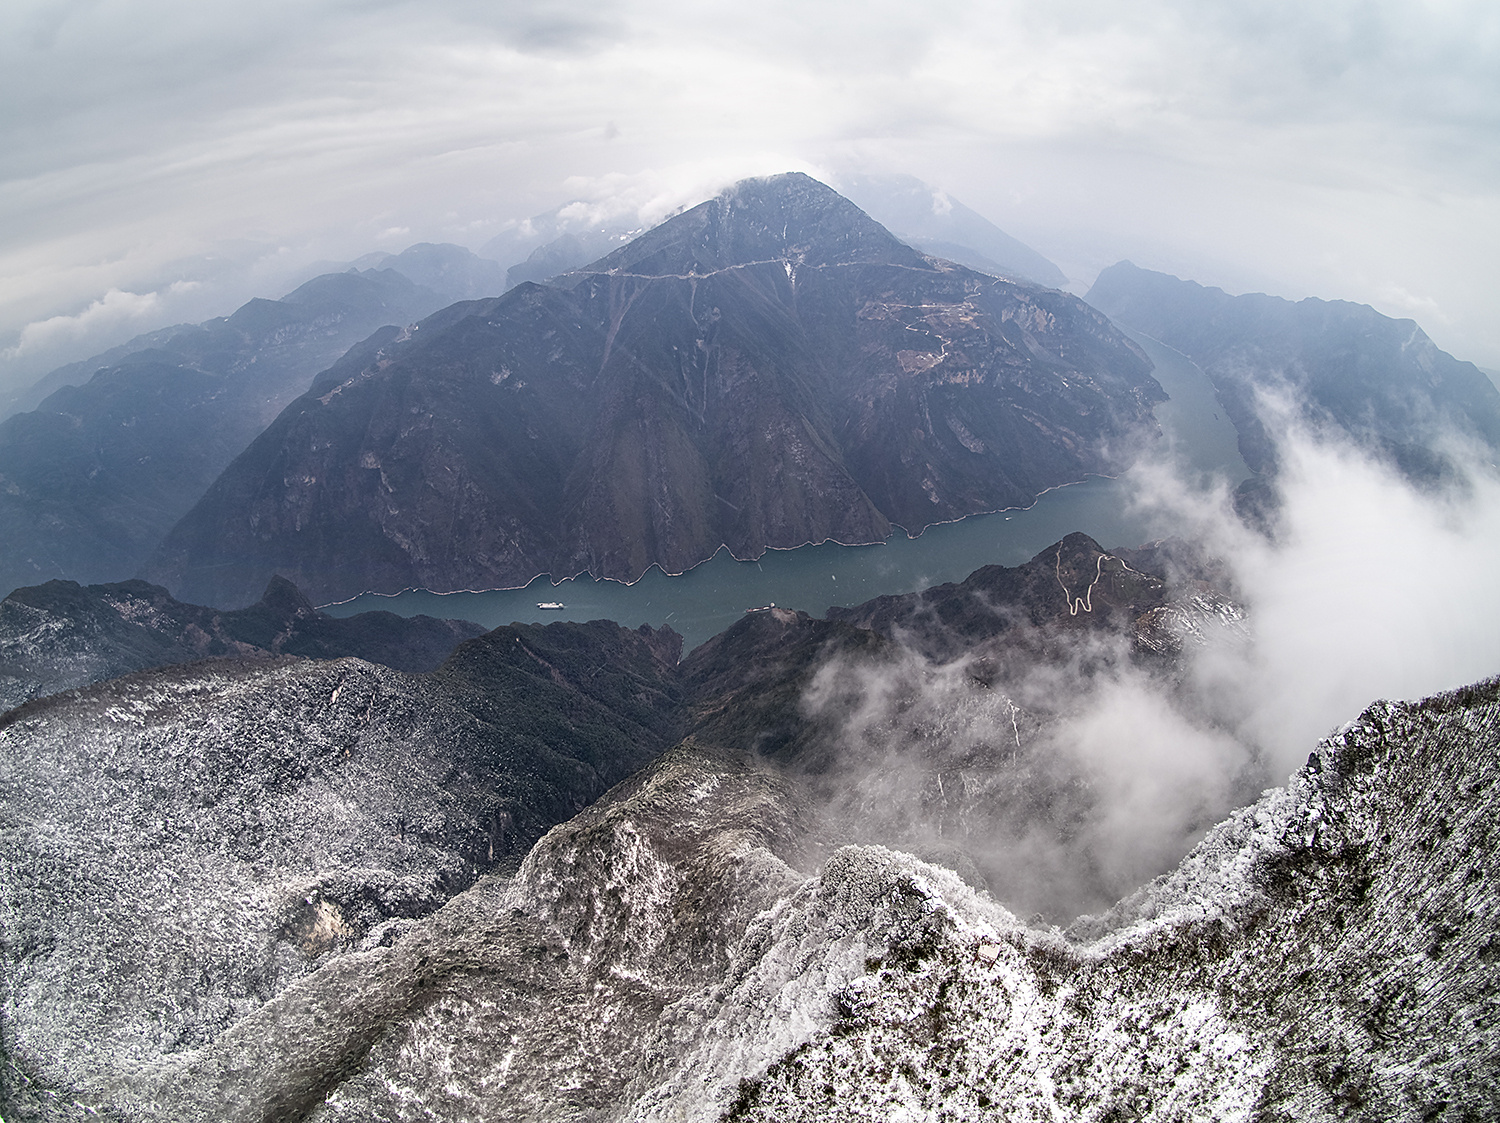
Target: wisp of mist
point(1063, 786)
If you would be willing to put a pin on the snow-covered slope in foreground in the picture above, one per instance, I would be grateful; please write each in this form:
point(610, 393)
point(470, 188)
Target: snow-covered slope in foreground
point(1331, 952)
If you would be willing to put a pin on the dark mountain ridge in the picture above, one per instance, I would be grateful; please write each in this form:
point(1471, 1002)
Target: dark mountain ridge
point(1380, 380)
point(95, 476)
point(61, 635)
point(768, 369)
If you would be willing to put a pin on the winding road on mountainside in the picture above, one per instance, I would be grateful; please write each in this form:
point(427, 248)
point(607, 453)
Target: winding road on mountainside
point(1085, 602)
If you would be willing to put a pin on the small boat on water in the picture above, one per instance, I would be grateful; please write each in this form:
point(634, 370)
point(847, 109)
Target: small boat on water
point(551, 604)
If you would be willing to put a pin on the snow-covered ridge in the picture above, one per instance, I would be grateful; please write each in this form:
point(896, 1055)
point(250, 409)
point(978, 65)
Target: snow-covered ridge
point(1332, 946)
point(1293, 967)
point(692, 948)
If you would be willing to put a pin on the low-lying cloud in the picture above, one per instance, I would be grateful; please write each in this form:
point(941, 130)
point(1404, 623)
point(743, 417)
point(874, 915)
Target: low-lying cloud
point(1064, 784)
point(102, 319)
point(1059, 787)
point(1372, 588)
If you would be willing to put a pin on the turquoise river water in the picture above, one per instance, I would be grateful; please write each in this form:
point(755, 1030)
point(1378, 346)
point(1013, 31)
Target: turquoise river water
point(711, 596)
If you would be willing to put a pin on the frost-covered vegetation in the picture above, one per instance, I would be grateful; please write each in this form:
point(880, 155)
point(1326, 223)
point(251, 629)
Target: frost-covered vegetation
point(293, 889)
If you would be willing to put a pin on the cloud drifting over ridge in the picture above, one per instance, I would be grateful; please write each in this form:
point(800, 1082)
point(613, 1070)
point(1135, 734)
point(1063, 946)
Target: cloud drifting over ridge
point(111, 311)
point(1069, 783)
point(1373, 589)
point(1190, 136)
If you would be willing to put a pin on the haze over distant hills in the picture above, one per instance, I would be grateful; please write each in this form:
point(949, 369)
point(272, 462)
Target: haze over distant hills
point(400, 287)
point(120, 447)
point(1379, 380)
point(933, 221)
point(452, 272)
point(767, 369)
point(96, 475)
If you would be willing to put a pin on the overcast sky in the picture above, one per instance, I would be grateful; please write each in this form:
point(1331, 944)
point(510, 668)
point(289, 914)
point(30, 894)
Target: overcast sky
point(163, 160)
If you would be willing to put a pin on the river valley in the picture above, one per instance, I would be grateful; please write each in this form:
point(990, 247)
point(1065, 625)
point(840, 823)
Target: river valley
point(708, 598)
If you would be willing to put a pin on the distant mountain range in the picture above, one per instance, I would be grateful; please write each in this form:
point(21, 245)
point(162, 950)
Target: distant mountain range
point(100, 458)
point(688, 390)
point(767, 369)
point(451, 272)
point(933, 221)
point(121, 446)
point(566, 252)
point(1381, 381)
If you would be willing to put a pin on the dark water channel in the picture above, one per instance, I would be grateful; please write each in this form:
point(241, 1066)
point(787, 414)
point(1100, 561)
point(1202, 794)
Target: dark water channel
point(710, 597)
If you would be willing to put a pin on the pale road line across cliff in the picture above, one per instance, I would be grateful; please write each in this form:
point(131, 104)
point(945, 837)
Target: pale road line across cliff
point(683, 276)
point(1084, 602)
point(927, 330)
point(768, 261)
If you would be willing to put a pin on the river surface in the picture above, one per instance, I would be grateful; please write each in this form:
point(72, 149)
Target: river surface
point(711, 596)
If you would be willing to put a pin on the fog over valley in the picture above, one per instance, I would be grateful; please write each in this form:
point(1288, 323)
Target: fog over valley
point(643, 562)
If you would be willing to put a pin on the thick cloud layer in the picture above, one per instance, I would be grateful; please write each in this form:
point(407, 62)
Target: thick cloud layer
point(1372, 588)
point(165, 160)
point(1065, 785)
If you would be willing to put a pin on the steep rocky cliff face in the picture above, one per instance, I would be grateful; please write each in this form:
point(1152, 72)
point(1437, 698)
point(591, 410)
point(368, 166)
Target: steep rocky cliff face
point(1382, 381)
point(768, 369)
point(62, 635)
point(95, 474)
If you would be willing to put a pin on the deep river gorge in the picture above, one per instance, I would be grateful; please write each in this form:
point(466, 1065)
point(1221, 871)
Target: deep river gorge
point(711, 596)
